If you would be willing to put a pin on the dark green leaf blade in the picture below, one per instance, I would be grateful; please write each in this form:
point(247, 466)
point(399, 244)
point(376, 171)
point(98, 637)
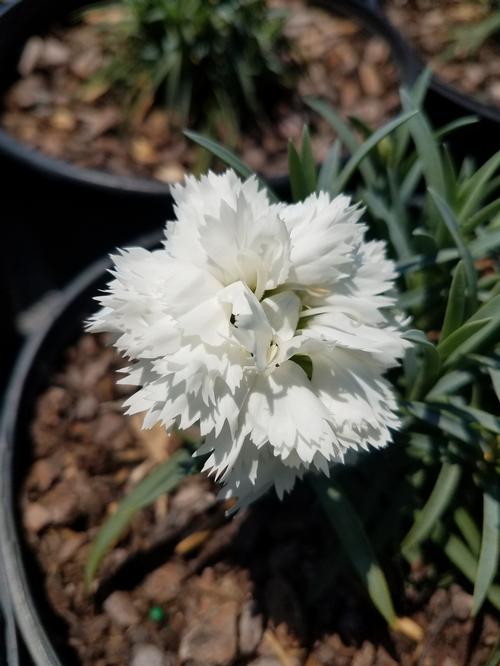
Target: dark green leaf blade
point(361, 153)
point(161, 480)
point(490, 547)
point(354, 540)
point(453, 227)
point(455, 308)
point(228, 158)
point(439, 500)
point(309, 175)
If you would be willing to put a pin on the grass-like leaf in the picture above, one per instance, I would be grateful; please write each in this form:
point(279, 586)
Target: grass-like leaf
point(450, 383)
point(356, 544)
point(486, 321)
point(468, 528)
point(436, 416)
point(295, 173)
point(345, 134)
point(458, 553)
point(454, 342)
point(427, 148)
point(455, 308)
point(485, 214)
point(452, 225)
point(329, 169)
point(430, 367)
point(454, 125)
point(474, 190)
point(161, 480)
point(472, 414)
point(228, 157)
point(439, 500)
point(308, 164)
point(379, 210)
point(490, 547)
point(361, 153)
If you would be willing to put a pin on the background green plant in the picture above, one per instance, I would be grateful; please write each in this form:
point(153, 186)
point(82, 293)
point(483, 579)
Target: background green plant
point(465, 41)
point(211, 62)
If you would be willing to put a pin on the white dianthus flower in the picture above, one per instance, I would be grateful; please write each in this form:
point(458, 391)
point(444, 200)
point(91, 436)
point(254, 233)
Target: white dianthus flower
point(270, 325)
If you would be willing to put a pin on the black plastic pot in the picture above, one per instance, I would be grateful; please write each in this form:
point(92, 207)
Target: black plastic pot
point(68, 215)
point(445, 103)
point(23, 18)
point(43, 633)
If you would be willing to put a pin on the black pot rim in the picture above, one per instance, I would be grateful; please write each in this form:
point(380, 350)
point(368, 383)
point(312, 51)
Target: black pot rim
point(450, 92)
point(68, 173)
point(27, 616)
point(467, 102)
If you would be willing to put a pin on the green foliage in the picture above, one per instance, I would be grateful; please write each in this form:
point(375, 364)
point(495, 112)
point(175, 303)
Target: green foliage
point(210, 62)
point(439, 488)
point(164, 478)
point(356, 543)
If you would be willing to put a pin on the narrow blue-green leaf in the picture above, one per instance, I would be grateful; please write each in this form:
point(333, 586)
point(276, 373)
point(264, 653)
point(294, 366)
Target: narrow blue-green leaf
point(454, 341)
point(487, 321)
point(376, 205)
point(485, 214)
point(345, 134)
point(296, 174)
point(482, 338)
point(455, 308)
point(363, 151)
point(356, 544)
point(439, 500)
point(458, 553)
point(420, 445)
point(474, 191)
point(450, 176)
point(483, 418)
point(411, 180)
point(451, 223)
point(489, 309)
point(429, 369)
point(485, 244)
point(479, 247)
point(307, 162)
point(468, 528)
point(161, 480)
point(490, 542)
point(228, 158)
point(416, 94)
point(420, 261)
point(442, 132)
point(427, 147)
point(436, 416)
point(495, 380)
point(329, 169)
point(450, 383)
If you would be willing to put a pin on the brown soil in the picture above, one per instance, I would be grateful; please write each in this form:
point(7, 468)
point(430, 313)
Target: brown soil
point(187, 586)
point(52, 109)
point(431, 26)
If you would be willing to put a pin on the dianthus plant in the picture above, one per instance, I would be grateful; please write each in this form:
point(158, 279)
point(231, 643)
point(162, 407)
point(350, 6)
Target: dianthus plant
point(270, 325)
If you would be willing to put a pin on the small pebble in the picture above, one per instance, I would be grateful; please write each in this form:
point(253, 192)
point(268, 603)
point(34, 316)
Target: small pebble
point(121, 610)
point(147, 654)
point(461, 604)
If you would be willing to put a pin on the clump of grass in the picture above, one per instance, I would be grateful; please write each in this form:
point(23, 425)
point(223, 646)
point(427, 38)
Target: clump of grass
point(208, 62)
